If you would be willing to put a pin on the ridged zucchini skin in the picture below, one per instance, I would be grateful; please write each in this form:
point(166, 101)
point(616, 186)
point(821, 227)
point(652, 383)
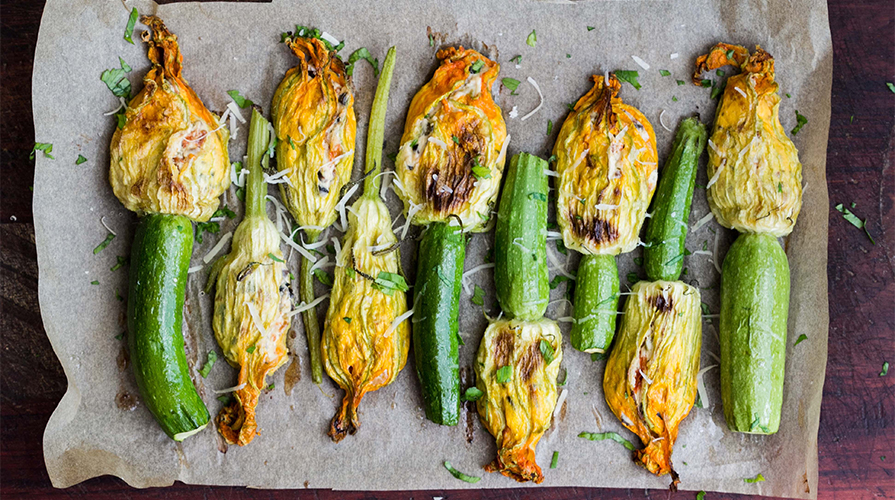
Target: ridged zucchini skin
point(439, 273)
point(596, 303)
point(160, 257)
point(754, 310)
point(520, 240)
point(667, 228)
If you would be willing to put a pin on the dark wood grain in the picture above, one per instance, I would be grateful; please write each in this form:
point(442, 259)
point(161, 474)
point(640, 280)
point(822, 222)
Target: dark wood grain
point(857, 426)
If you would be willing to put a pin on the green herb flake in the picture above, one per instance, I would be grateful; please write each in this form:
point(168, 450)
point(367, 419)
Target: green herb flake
point(118, 296)
point(717, 90)
point(120, 336)
point(756, 424)
point(357, 55)
point(116, 79)
point(549, 127)
point(788, 96)
point(779, 187)
point(122, 119)
point(632, 278)
point(250, 349)
point(705, 309)
point(555, 460)
point(388, 282)
point(598, 356)
point(562, 378)
point(706, 83)
point(45, 147)
point(638, 261)
point(590, 28)
point(664, 72)
point(479, 171)
point(241, 194)
point(206, 227)
point(681, 82)
point(532, 39)
point(674, 98)
point(94, 282)
point(800, 339)
point(546, 351)
point(102, 246)
point(629, 77)
point(800, 122)
point(504, 374)
point(885, 369)
point(122, 260)
point(431, 40)
point(538, 196)
point(757, 479)
point(455, 139)
point(459, 475)
point(476, 67)
point(323, 277)
point(561, 247)
point(855, 221)
point(512, 84)
point(700, 495)
point(557, 280)
point(852, 119)
point(271, 386)
point(891, 86)
point(720, 72)
point(80, 160)
point(224, 398)
point(478, 296)
point(517, 59)
point(729, 54)
point(209, 362)
point(129, 29)
point(600, 436)
point(472, 394)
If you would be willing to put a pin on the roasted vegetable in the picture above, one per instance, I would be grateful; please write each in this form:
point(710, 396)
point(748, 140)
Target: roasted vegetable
point(754, 309)
point(454, 144)
point(436, 301)
point(516, 370)
point(596, 303)
point(313, 116)
point(520, 240)
point(755, 178)
point(252, 298)
point(169, 163)
point(606, 161)
point(171, 154)
point(650, 378)
point(663, 255)
point(366, 336)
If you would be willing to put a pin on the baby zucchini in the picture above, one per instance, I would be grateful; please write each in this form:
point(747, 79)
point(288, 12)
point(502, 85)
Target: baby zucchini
point(667, 229)
point(754, 309)
point(520, 240)
point(596, 303)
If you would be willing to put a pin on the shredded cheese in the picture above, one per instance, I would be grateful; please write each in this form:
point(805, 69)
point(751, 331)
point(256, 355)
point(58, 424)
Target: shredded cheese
point(194, 269)
point(557, 265)
point(230, 389)
point(740, 91)
point(675, 55)
point(550, 173)
point(702, 221)
point(234, 111)
point(640, 62)
point(540, 97)
point(329, 38)
point(304, 307)
point(715, 259)
point(217, 248)
point(340, 206)
point(392, 327)
point(605, 206)
point(559, 402)
point(661, 122)
point(295, 246)
point(513, 112)
point(102, 220)
point(700, 385)
point(256, 319)
point(464, 280)
point(715, 177)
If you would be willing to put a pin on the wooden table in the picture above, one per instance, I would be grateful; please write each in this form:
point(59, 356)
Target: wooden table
point(857, 428)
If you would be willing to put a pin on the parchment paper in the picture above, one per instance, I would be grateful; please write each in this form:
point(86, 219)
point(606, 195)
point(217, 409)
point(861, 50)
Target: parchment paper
point(100, 427)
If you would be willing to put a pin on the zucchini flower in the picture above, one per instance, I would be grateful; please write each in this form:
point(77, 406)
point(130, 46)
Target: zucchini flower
point(454, 144)
point(365, 336)
point(755, 177)
point(313, 116)
point(252, 300)
point(170, 156)
point(607, 165)
point(650, 377)
point(516, 369)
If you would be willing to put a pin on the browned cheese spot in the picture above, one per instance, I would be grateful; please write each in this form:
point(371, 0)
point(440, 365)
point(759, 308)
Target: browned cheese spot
point(503, 348)
point(661, 303)
point(530, 361)
point(454, 181)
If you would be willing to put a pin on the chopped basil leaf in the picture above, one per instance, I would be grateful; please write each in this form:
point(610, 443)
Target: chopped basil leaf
point(597, 356)
point(120, 336)
point(387, 283)
point(80, 160)
point(504, 374)
point(551, 159)
point(706, 83)
point(563, 377)
point(700, 495)
point(476, 66)
point(678, 258)
point(638, 261)
point(224, 398)
point(600, 436)
point(459, 475)
point(209, 362)
point(571, 106)
point(664, 72)
point(431, 40)
point(129, 29)
point(685, 271)
point(362, 53)
point(517, 59)
point(209, 227)
point(549, 127)
point(479, 171)
point(705, 245)
point(122, 260)
point(779, 187)
point(94, 282)
point(512, 84)
point(885, 369)
point(788, 96)
point(330, 249)
point(756, 424)
point(291, 143)
point(250, 349)
point(546, 351)
point(629, 77)
point(538, 196)
point(347, 319)
point(102, 246)
point(757, 479)
point(681, 82)
point(455, 139)
point(705, 309)
point(275, 258)
point(122, 119)
point(555, 460)
point(557, 280)
point(478, 296)
point(720, 72)
point(271, 386)
point(590, 28)
point(801, 338)
point(392, 156)
point(532, 39)
point(730, 54)
point(800, 122)
point(568, 56)
point(632, 277)
point(118, 296)
point(472, 394)
point(891, 86)
point(674, 98)
point(323, 277)
point(45, 147)
point(116, 79)
point(855, 221)
point(717, 90)
point(241, 194)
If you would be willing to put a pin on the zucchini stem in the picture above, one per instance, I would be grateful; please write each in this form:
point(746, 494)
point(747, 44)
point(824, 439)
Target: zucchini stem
point(256, 188)
point(376, 133)
point(309, 316)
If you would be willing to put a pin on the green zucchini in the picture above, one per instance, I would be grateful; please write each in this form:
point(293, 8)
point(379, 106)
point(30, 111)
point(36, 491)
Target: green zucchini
point(754, 309)
point(596, 303)
point(435, 327)
point(160, 257)
point(520, 240)
point(663, 257)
